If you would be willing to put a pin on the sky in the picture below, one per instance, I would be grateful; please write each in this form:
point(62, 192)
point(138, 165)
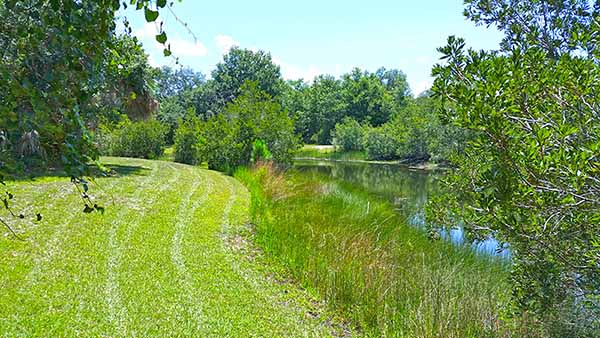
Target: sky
point(311, 37)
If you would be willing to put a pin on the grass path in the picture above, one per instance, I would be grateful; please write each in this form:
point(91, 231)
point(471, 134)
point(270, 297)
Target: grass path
point(168, 258)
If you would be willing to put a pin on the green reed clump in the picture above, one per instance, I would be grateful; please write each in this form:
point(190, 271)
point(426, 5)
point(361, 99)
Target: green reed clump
point(359, 255)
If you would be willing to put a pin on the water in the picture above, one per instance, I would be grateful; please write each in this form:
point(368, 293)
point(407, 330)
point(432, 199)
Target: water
point(405, 188)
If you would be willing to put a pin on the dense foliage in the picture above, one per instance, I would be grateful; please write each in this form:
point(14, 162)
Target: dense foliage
point(254, 115)
point(189, 142)
point(531, 174)
point(242, 65)
point(349, 135)
point(62, 70)
point(368, 98)
point(380, 144)
point(142, 139)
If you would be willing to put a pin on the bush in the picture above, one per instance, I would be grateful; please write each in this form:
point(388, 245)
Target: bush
point(412, 133)
point(170, 114)
point(380, 145)
point(188, 142)
point(252, 116)
point(348, 135)
point(144, 139)
point(260, 151)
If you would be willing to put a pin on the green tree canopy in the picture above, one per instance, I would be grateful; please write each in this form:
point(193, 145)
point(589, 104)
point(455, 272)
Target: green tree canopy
point(241, 65)
point(252, 116)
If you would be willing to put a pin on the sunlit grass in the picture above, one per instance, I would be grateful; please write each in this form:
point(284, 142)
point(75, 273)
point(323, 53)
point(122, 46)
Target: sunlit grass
point(356, 252)
point(329, 152)
point(157, 263)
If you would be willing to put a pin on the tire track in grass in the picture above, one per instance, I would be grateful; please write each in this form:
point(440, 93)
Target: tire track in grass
point(116, 311)
point(52, 246)
point(185, 278)
point(59, 268)
point(225, 221)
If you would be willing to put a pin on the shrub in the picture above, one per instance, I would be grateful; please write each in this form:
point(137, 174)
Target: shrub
point(144, 139)
point(348, 135)
point(250, 117)
point(260, 151)
point(170, 114)
point(188, 142)
point(380, 145)
point(410, 131)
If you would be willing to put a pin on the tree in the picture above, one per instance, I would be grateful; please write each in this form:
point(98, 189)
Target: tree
point(325, 108)
point(172, 111)
point(252, 116)
point(206, 99)
point(129, 86)
point(348, 135)
point(54, 58)
point(366, 98)
point(395, 83)
point(171, 82)
point(241, 65)
point(294, 99)
point(531, 174)
point(188, 141)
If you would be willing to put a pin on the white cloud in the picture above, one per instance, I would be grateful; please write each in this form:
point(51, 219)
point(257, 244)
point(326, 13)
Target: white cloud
point(181, 47)
point(293, 72)
point(225, 42)
point(421, 86)
point(148, 30)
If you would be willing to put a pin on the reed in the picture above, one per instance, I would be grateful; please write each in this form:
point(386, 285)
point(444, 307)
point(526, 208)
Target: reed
point(355, 251)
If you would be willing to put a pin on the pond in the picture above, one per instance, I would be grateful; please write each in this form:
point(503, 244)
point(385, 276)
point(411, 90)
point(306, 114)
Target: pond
point(407, 189)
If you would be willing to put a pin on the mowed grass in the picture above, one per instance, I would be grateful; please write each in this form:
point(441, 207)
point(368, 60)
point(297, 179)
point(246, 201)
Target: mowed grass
point(356, 252)
point(168, 258)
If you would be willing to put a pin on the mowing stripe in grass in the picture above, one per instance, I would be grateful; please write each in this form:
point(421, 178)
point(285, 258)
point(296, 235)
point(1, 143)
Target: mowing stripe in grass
point(153, 265)
point(153, 293)
point(116, 312)
point(186, 213)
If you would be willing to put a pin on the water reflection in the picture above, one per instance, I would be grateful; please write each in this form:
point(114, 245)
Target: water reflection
point(406, 188)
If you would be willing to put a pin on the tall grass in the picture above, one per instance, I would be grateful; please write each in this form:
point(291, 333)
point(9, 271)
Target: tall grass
point(384, 275)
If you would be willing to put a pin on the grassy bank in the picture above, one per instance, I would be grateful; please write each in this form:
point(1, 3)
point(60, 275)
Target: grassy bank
point(167, 258)
point(329, 152)
point(387, 277)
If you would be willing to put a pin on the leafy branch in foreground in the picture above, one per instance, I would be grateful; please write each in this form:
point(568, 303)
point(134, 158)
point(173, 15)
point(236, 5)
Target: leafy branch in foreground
point(531, 174)
point(55, 62)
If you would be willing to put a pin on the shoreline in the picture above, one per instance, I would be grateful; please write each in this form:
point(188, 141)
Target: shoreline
point(427, 166)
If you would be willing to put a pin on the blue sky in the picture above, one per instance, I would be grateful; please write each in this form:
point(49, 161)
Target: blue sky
point(311, 37)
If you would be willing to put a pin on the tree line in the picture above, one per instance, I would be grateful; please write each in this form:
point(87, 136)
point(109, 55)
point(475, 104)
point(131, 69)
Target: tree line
point(520, 124)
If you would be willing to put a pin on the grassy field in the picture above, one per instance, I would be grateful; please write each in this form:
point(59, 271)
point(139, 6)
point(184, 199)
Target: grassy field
point(386, 276)
point(329, 152)
point(168, 258)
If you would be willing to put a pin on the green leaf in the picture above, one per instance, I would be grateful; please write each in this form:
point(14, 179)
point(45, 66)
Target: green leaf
point(161, 3)
point(167, 52)
point(150, 15)
point(99, 208)
point(162, 37)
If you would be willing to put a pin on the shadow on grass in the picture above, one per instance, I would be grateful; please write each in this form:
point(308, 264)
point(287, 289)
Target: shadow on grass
point(114, 170)
point(124, 170)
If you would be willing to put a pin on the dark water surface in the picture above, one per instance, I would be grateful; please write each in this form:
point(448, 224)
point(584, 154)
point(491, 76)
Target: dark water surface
point(407, 189)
